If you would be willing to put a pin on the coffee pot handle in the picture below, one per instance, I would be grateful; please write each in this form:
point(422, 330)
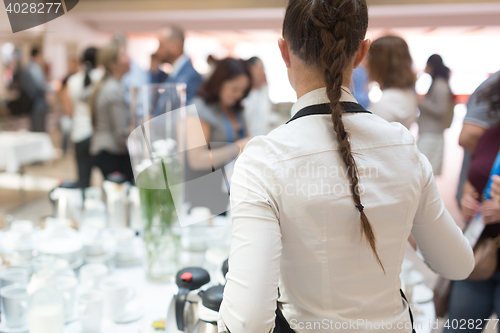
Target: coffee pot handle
point(180, 303)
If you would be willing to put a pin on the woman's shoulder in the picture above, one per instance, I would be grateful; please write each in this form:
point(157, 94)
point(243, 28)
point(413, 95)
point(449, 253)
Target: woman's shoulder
point(395, 99)
point(204, 110)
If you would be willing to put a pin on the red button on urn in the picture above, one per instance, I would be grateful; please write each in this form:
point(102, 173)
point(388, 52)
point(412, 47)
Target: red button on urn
point(187, 276)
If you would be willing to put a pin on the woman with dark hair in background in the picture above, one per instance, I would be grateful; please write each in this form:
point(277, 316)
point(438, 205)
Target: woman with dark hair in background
point(219, 112)
point(474, 301)
point(79, 88)
point(390, 65)
point(332, 241)
point(110, 114)
point(435, 110)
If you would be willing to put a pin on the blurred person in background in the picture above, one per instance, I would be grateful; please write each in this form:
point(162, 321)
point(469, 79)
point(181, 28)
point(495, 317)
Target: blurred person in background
point(65, 120)
point(212, 63)
point(136, 76)
point(156, 74)
point(34, 84)
point(171, 50)
point(360, 87)
point(390, 65)
point(477, 120)
point(495, 187)
point(219, 110)
point(110, 114)
point(435, 110)
point(474, 301)
point(257, 104)
point(79, 88)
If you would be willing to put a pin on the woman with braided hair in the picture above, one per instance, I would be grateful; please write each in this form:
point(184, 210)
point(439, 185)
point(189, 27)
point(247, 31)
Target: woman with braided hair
point(322, 207)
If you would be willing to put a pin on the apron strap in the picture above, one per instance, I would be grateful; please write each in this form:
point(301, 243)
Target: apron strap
point(281, 324)
point(324, 109)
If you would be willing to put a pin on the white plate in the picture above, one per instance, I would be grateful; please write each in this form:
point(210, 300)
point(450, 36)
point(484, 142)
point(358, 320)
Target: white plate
point(76, 327)
point(133, 312)
point(422, 294)
point(76, 264)
point(5, 329)
point(134, 262)
point(101, 259)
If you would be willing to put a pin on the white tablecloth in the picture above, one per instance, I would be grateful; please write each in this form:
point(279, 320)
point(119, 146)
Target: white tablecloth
point(22, 148)
point(154, 299)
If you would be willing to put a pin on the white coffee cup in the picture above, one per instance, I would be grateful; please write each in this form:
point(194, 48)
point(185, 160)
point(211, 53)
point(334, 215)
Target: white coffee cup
point(124, 255)
point(117, 293)
point(94, 247)
point(92, 274)
point(14, 306)
point(124, 238)
point(14, 276)
point(66, 285)
point(90, 307)
point(22, 226)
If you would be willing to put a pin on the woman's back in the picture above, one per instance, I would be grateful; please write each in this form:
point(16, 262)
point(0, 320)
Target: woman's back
point(111, 119)
point(397, 105)
point(79, 94)
point(326, 269)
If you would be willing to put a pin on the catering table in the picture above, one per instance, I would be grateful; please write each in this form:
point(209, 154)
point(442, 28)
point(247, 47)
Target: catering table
point(21, 148)
point(154, 300)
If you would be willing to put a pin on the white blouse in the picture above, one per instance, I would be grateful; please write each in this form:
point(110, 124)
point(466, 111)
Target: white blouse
point(296, 227)
point(397, 105)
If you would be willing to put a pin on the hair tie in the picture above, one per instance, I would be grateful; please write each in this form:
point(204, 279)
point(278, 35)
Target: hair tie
point(360, 207)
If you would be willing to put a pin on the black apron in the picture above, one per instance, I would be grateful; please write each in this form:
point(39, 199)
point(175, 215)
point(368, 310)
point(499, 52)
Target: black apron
point(281, 324)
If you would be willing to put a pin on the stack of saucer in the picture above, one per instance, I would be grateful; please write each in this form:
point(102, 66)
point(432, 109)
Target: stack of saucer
point(127, 248)
point(98, 248)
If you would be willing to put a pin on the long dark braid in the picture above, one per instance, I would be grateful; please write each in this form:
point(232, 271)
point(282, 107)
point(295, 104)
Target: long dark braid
point(326, 34)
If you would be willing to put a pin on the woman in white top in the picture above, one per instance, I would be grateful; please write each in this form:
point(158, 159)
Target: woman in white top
point(435, 111)
point(79, 89)
point(323, 206)
point(390, 65)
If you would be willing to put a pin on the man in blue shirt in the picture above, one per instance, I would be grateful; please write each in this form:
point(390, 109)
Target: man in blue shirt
point(171, 50)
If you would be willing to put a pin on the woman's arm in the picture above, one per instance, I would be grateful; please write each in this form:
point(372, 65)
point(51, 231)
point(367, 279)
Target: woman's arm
point(66, 101)
point(444, 248)
point(251, 290)
point(199, 156)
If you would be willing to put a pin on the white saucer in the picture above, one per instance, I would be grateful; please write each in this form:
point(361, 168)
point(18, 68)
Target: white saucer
point(5, 329)
point(133, 262)
point(76, 264)
point(422, 294)
point(133, 312)
point(71, 319)
point(76, 326)
point(100, 259)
